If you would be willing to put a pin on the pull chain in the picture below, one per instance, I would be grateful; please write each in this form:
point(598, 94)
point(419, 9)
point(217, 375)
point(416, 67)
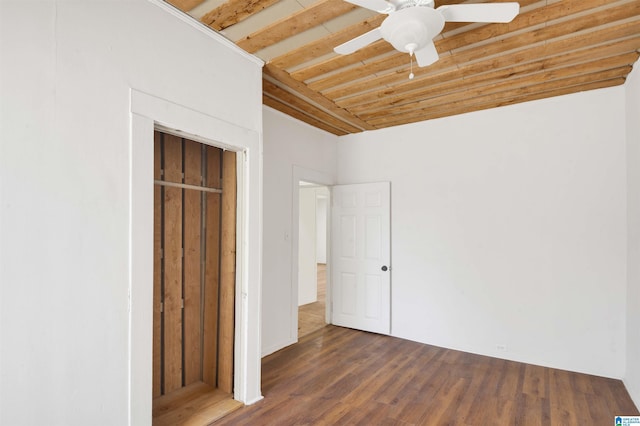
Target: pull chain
point(411, 67)
point(411, 47)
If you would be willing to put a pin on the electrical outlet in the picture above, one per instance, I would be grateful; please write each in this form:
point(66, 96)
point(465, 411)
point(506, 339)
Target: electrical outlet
point(501, 347)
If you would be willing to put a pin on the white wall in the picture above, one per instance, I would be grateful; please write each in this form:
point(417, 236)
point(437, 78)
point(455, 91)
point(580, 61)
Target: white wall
point(322, 210)
point(632, 377)
point(307, 267)
point(65, 182)
point(508, 228)
point(293, 151)
point(312, 240)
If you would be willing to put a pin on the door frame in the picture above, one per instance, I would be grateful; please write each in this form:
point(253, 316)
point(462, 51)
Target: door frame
point(312, 176)
point(148, 113)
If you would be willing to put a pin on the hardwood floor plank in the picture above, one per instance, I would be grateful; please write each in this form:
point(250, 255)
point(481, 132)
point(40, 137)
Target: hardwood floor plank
point(475, 373)
point(534, 381)
point(311, 317)
point(386, 371)
point(402, 383)
point(339, 376)
point(196, 404)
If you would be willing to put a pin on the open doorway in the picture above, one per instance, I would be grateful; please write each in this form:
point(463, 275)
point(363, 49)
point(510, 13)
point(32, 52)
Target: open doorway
point(312, 257)
point(195, 189)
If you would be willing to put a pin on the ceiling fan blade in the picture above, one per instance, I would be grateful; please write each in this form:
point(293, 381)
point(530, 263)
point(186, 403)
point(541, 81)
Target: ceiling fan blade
point(480, 12)
point(358, 42)
point(380, 6)
point(427, 55)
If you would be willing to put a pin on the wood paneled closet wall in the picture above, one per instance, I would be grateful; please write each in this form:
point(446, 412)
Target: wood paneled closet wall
point(194, 264)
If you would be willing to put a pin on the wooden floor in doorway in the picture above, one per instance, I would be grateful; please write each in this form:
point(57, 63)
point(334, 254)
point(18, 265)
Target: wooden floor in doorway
point(197, 404)
point(339, 376)
point(311, 316)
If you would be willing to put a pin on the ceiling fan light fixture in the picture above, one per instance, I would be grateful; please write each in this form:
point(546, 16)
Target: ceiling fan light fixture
point(413, 27)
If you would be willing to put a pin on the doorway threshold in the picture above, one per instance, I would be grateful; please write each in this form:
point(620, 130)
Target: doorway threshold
point(197, 404)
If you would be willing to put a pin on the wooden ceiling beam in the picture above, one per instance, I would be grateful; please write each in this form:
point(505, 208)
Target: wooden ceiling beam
point(458, 82)
point(386, 64)
point(299, 87)
point(391, 70)
point(326, 44)
point(534, 17)
point(288, 98)
point(586, 23)
point(373, 50)
point(496, 103)
point(522, 91)
point(553, 47)
point(539, 16)
point(465, 39)
point(351, 95)
point(286, 109)
point(478, 90)
point(547, 34)
point(316, 14)
point(234, 11)
point(338, 62)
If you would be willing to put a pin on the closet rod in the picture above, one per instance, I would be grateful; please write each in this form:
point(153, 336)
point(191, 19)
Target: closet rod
point(187, 186)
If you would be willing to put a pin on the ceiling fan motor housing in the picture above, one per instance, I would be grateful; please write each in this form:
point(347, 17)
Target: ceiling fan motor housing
point(414, 26)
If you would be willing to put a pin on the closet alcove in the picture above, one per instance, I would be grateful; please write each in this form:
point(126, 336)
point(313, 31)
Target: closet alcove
point(194, 281)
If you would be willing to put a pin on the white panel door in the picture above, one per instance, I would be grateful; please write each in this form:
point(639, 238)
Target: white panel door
point(360, 253)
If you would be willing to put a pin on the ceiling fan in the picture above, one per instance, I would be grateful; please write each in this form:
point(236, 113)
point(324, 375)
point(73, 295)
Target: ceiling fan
point(412, 24)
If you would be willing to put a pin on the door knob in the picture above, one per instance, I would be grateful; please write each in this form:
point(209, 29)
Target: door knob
point(384, 268)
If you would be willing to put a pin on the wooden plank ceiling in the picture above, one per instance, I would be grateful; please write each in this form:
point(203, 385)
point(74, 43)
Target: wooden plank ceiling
point(552, 48)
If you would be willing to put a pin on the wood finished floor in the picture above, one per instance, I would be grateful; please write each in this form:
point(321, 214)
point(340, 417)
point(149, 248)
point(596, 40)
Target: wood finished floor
point(197, 404)
point(312, 315)
point(339, 376)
